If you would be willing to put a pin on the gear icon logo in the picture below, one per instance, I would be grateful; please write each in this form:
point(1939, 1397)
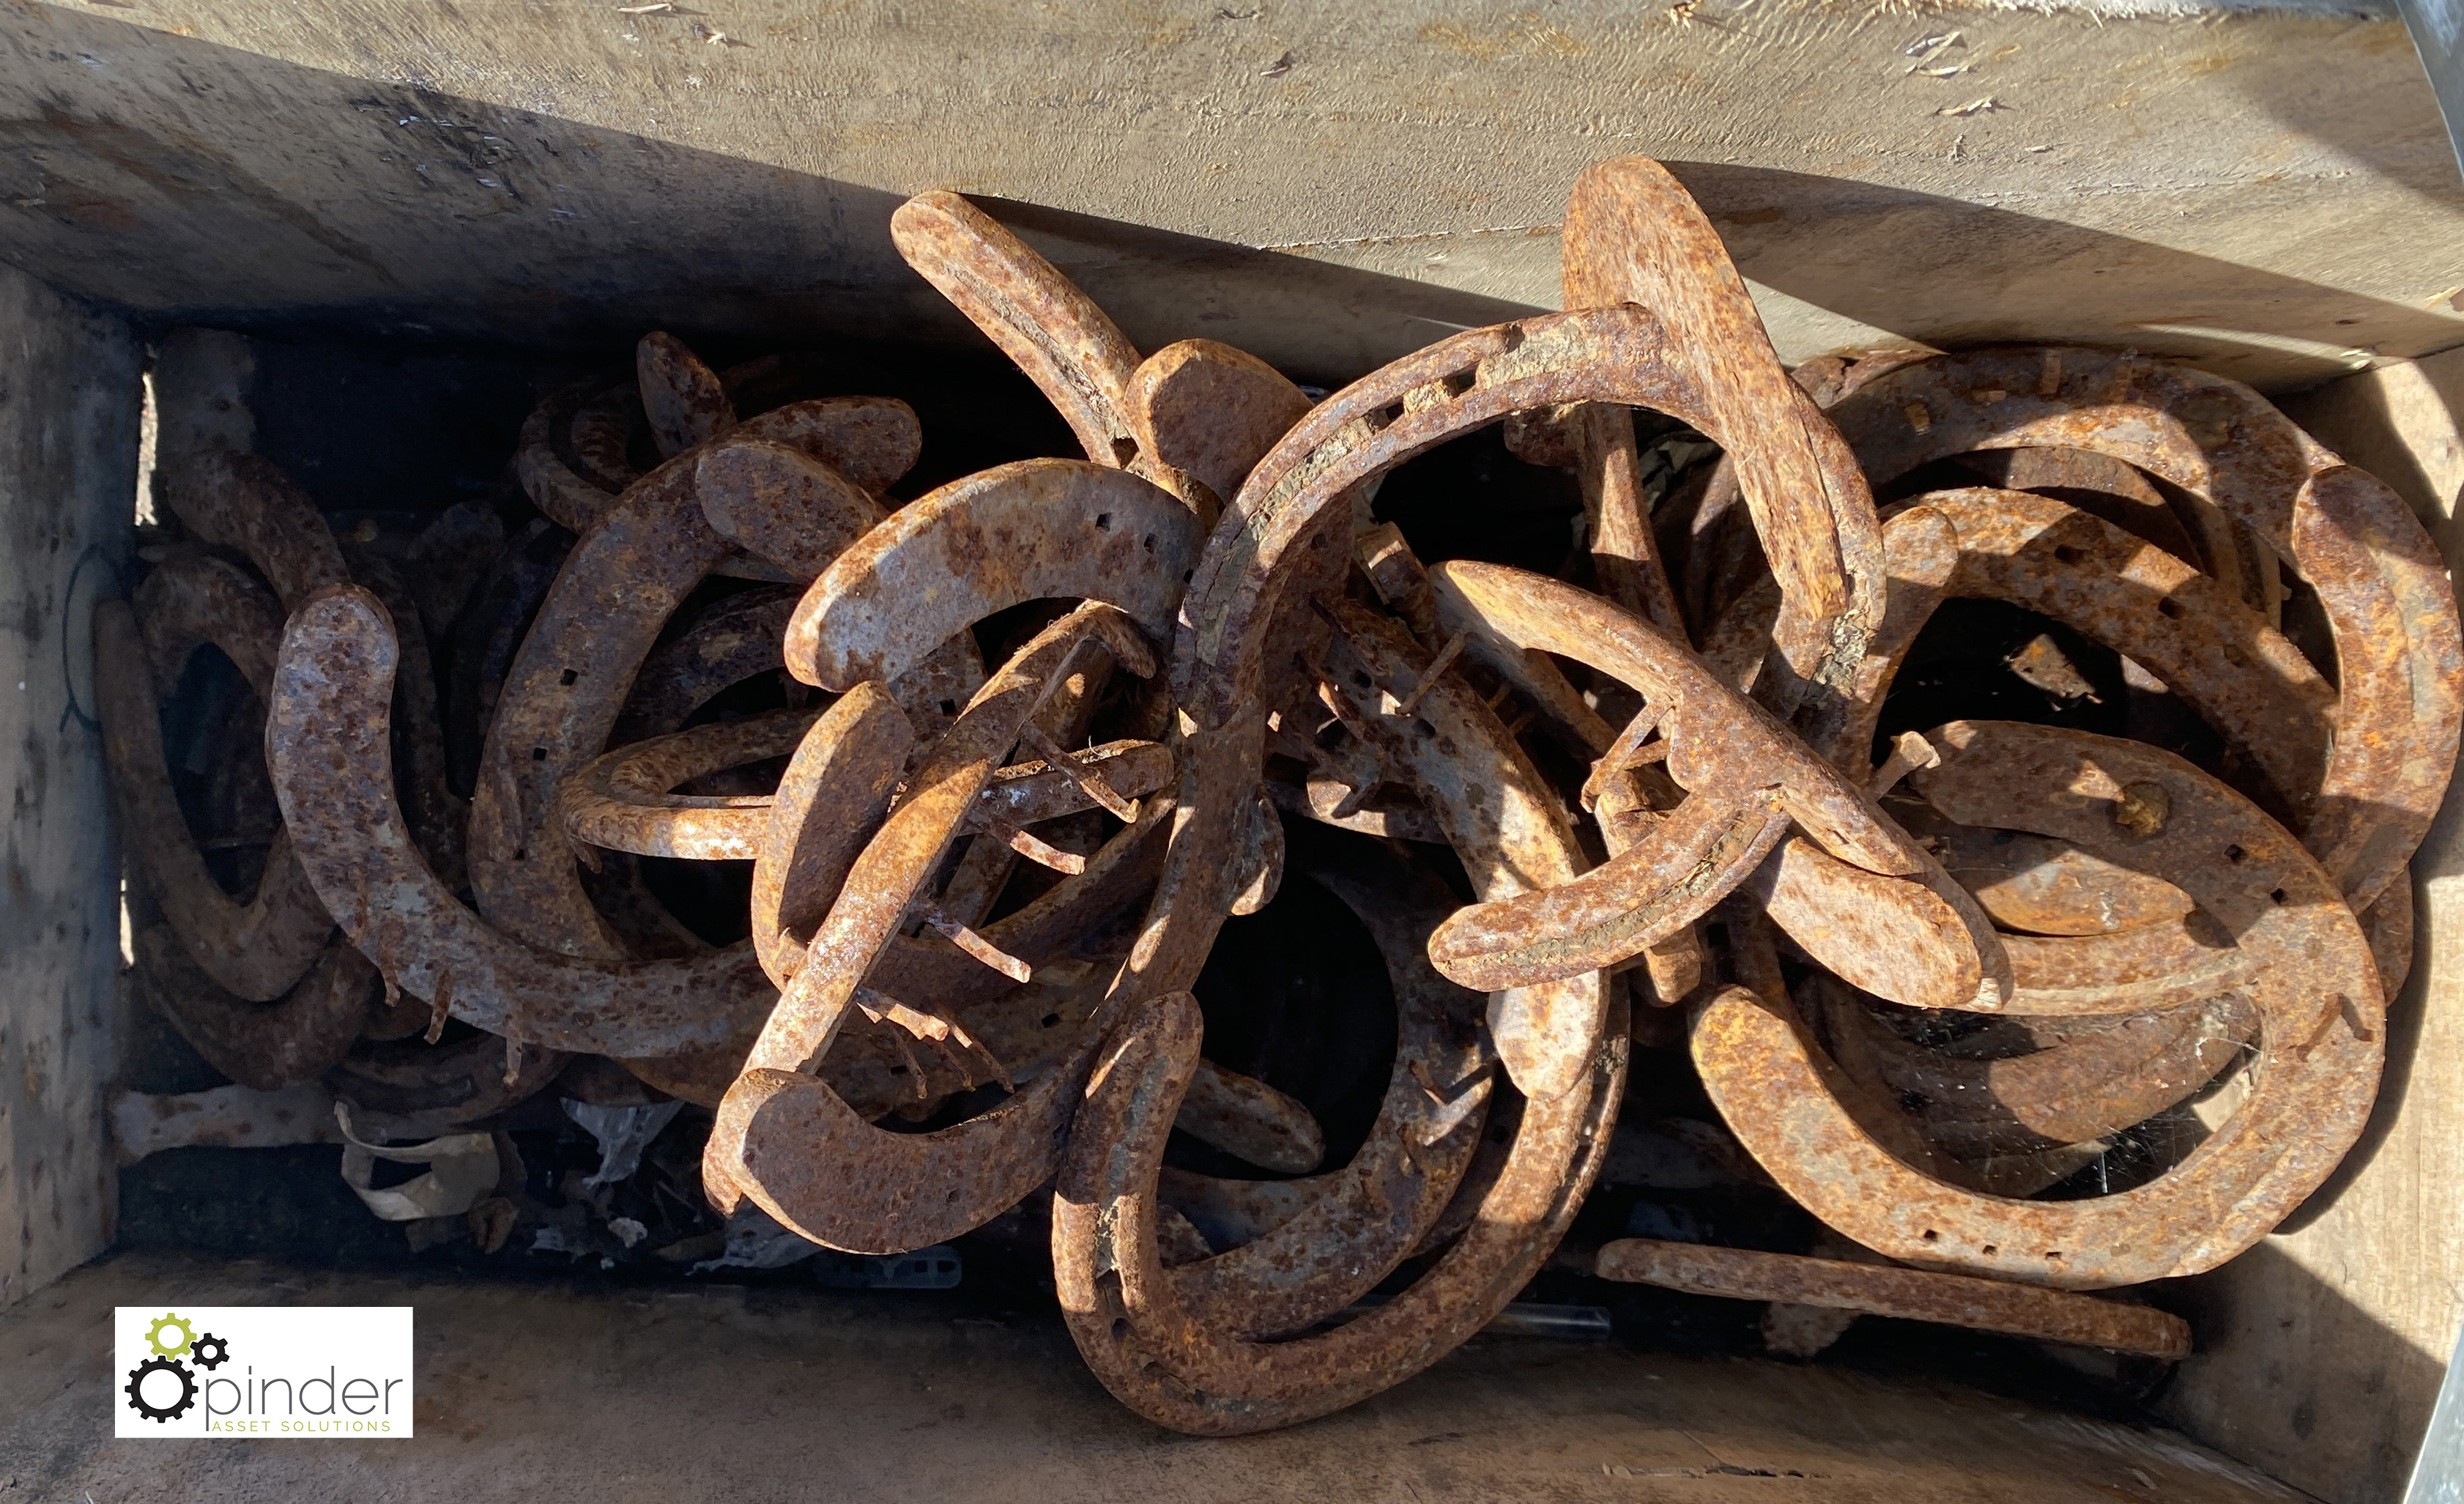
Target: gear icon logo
point(179, 1323)
point(136, 1388)
point(209, 1351)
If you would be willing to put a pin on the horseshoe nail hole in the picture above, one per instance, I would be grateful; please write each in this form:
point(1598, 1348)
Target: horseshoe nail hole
point(567, 678)
point(1386, 415)
point(1462, 382)
point(1147, 543)
point(1931, 1236)
point(1120, 1328)
point(1187, 575)
point(897, 1070)
point(951, 1199)
point(1124, 451)
point(1989, 1251)
point(2053, 1255)
point(1359, 680)
point(1048, 1021)
point(521, 853)
point(539, 754)
point(949, 707)
point(2275, 895)
point(2234, 854)
point(2067, 554)
point(1103, 521)
point(1427, 731)
point(2169, 606)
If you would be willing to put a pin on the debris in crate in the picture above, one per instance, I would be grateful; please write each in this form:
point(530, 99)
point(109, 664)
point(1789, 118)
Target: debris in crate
point(623, 1134)
point(1565, 1324)
point(754, 1240)
point(1989, 898)
point(461, 1168)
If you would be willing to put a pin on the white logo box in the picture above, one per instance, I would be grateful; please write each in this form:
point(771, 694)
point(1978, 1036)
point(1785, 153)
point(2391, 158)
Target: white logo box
point(301, 1372)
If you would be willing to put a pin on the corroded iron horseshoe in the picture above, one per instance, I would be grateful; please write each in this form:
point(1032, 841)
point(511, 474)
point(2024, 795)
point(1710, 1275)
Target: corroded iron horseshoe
point(569, 681)
point(328, 748)
point(1494, 810)
point(793, 1144)
point(262, 1045)
point(1037, 529)
point(1346, 1229)
point(2095, 1082)
point(2322, 1036)
point(1125, 1311)
point(259, 950)
point(2383, 586)
point(1853, 890)
point(2239, 675)
point(1633, 234)
point(1194, 411)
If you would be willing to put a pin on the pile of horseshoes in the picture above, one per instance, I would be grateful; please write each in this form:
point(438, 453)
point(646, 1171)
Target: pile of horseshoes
point(1926, 972)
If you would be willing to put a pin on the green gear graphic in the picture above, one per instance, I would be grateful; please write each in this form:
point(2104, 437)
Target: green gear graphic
point(154, 1334)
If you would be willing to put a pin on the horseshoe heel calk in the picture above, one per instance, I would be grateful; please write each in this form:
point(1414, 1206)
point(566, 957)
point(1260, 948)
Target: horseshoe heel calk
point(1212, 410)
point(683, 398)
point(1035, 530)
point(1704, 849)
point(1054, 333)
point(776, 500)
point(1906, 940)
point(1544, 1032)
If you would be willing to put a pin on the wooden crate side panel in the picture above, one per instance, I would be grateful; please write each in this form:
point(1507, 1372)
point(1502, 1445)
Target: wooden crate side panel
point(69, 385)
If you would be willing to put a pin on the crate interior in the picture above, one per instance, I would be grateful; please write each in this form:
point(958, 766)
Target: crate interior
point(415, 254)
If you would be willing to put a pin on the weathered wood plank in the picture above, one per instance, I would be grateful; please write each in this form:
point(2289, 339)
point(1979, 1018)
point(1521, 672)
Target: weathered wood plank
point(532, 1389)
point(68, 455)
point(1324, 183)
point(2322, 1348)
